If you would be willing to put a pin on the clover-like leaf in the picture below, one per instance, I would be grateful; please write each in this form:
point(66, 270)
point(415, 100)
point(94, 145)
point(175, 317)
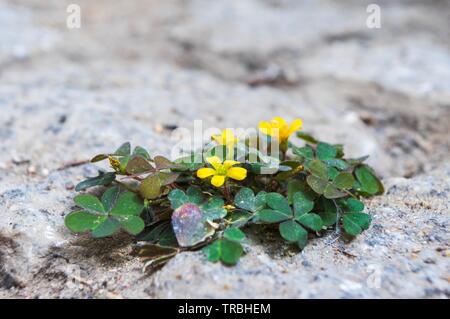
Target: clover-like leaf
point(317, 184)
point(225, 250)
point(332, 192)
point(195, 195)
point(305, 152)
point(107, 228)
point(354, 205)
point(109, 197)
point(177, 198)
point(213, 209)
point(310, 220)
point(102, 179)
point(292, 231)
point(162, 162)
point(132, 224)
point(344, 180)
point(89, 202)
point(317, 168)
point(302, 204)
point(138, 150)
point(234, 234)
point(128, 204)
point(369, 182)
point(150, 187)
point(355, 223)
point(307, 137)
point(273, 216)
point(328, 213)
point(247, 200)
point(325, 151)
point(138, 165)
point(189, 225)
point(123, 150)
point(81, 221)
point(337, 163)
point(231, 251)
point(279, 203)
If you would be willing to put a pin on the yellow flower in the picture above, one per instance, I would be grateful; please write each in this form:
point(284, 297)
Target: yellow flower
point(227, 137)
point(278, 127)
point(221, 171)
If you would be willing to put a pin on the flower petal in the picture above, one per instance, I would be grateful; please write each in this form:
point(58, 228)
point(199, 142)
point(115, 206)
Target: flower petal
point(265, 127)
point(218, 180)
point(228, 163)
point(295, 126)
point(237, 173)
point(205, 172)
point(214, 161)
point(279, 121)
point(218, 138)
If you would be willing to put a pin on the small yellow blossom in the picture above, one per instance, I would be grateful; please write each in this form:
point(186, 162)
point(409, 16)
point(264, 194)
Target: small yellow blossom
point(227, 138)
point(115, 164)
point(221, 171)
point(278, 127)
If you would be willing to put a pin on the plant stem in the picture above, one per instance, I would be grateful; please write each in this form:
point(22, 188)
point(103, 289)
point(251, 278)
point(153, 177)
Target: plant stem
point(226, 192)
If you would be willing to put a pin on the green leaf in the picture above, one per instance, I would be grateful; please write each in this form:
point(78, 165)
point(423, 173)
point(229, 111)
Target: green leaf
point(312, 221)
point(338, 163)
point(332, 172)
point(329, 214)
point(369, 182)
point(123, 150)
point(234, 234)
point(132, 224)
point(317, 184)
point(278, 202)
point(213, 209)
point(150, 187)
point(127, 204)
point(344, 180)
point(162, 163)
point(138, 150)
point(305, 151)
point(307, 137)
point(239, 218)
point(231, 252)
point(325, 151)
point(195, 195)
point(109, 197)
point(272, 216)
point(318, 168)
point(177, 198)
point(107, 228)
point(81, 221)
point(213, 251)
point(89, 202)
point(354, 205)
point(99, 158)
point(332, 192)
point(302, 204)
point(292, 231)
point(138, 165)
point(355, 223)
point(247, 200)
point(167, 178)
point(102, 179)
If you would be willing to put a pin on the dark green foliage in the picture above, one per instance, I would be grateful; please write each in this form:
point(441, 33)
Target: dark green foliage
point(169, 209)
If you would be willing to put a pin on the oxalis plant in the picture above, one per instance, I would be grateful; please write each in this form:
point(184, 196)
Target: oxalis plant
point(207, 199)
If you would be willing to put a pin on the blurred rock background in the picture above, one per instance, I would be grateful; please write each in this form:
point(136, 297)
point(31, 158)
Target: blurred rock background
point(136, 70)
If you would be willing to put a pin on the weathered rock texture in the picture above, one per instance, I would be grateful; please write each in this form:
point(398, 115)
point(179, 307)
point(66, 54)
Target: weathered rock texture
point(135, 69)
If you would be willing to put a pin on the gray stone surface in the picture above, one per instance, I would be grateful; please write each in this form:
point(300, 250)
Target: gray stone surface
point(135, 66)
